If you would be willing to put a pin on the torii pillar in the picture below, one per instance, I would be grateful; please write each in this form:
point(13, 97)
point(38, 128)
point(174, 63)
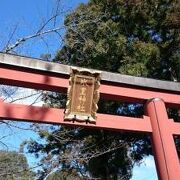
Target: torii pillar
point(166, 158)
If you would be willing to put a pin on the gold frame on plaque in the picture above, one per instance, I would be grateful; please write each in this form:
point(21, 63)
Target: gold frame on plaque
point(90, 97)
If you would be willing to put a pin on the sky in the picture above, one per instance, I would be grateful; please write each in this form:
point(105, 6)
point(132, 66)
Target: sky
point(21, 18)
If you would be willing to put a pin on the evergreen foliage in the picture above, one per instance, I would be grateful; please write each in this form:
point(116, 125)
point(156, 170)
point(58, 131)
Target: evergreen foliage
point(13, 166)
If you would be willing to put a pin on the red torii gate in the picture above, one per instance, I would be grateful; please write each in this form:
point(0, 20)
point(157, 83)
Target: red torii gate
point(155, 95)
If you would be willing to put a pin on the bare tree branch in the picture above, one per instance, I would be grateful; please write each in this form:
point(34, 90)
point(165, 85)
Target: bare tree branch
point(11, 36)
point(22, 40)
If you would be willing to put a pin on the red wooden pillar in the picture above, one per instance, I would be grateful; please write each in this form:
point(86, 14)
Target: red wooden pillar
point(166, 158)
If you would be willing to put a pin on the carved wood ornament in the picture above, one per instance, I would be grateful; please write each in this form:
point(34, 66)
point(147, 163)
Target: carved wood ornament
point(83, 95)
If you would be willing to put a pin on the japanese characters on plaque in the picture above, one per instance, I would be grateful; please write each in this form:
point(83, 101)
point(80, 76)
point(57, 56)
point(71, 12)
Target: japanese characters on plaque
point(83, 95)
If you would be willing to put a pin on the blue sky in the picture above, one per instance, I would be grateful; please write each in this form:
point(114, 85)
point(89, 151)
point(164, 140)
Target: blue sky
point(24, 18)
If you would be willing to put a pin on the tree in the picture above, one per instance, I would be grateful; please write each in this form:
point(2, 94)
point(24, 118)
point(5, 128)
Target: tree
point(132, 37)
point(13, 165)
point(61, 176)
point(139, 38)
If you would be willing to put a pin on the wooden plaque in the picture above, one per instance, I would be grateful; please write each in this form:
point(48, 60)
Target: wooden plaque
point(83, 95)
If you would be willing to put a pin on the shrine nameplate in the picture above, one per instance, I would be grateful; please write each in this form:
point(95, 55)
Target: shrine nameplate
point(83, 95)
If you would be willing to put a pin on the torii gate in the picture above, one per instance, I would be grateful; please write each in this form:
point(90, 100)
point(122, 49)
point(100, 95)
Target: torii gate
point(155, 95)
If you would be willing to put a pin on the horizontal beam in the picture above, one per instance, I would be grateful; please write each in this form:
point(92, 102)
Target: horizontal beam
point(34, 80)
point(39, 65)
point(174, 126)
point(35, 114)
point(176, 129)
point(132, 94)
point(43, 81)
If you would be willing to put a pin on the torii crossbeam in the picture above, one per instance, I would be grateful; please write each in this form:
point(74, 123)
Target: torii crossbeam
point(155, 95)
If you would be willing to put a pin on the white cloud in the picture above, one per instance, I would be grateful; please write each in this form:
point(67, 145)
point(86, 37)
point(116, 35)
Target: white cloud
point(146, 170)
point(25, 96)
point(149, 162)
